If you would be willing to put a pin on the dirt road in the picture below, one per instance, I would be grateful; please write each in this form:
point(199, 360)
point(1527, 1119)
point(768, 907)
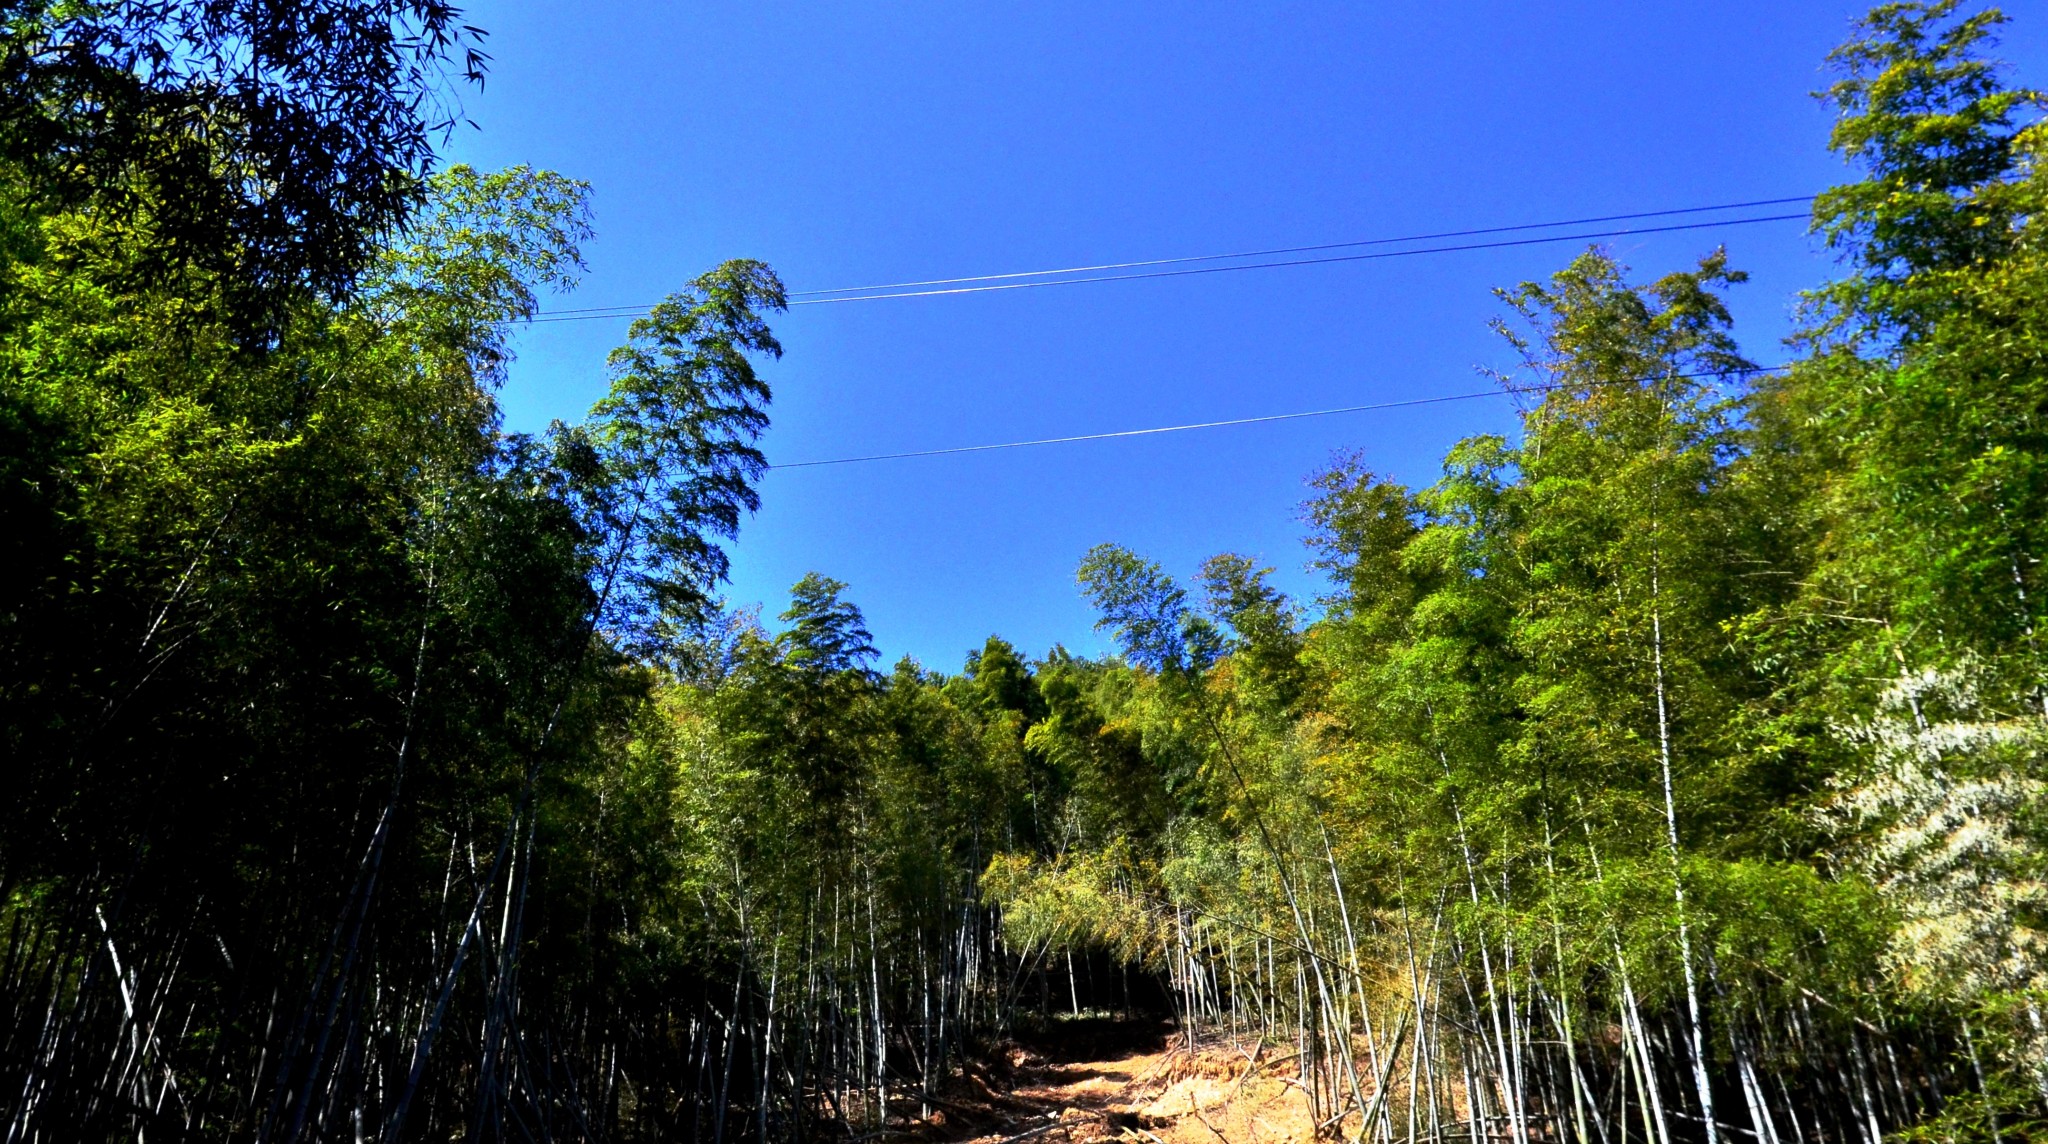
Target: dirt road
point(1091, 1090)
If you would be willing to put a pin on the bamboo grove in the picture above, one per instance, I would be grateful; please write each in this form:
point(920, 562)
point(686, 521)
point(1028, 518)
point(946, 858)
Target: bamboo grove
point(1670, 772)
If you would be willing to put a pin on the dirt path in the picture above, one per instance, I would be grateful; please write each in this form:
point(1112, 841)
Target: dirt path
point(1079, 1101)
point(1156, 1094)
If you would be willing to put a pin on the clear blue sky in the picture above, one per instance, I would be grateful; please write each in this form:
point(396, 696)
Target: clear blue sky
point(847, 144)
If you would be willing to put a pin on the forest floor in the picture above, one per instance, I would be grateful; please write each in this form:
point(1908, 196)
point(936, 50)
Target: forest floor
point(1097, 1081)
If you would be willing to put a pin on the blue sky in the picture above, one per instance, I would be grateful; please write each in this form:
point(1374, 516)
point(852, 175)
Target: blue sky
point(848, 144)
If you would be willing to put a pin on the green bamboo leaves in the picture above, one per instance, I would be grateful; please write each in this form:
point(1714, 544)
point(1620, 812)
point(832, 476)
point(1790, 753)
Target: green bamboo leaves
point(667, 466)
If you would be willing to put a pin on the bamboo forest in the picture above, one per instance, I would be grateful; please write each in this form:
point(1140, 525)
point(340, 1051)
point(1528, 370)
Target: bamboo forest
point(1672, 770)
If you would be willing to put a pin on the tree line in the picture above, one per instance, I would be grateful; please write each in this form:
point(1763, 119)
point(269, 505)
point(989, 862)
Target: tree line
point(1669, 771)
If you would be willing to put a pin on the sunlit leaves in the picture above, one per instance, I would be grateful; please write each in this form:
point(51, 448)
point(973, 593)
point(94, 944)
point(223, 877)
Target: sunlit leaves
point(671, 458)
point(1146, 612)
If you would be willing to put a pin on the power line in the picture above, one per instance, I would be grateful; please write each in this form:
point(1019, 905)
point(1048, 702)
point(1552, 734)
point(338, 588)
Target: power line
point(1549, 388)
point(1252, 253)
point(1305, 261)
point(1310, 249)
point(992, 282)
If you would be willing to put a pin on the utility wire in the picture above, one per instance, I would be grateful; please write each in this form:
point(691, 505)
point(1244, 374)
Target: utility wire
point(1303, 261)
point(1311, 249)
point(1254, 253)
point(989, 282)
point(1545, 388)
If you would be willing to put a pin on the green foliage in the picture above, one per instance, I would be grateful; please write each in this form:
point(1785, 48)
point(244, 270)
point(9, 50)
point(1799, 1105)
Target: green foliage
point(278, 144)
point(1609, 704)
point(667, 466)
point(284, 628)
point(1923, 112)
point(1147, 612)
point(827, 634)
point(1266, 640)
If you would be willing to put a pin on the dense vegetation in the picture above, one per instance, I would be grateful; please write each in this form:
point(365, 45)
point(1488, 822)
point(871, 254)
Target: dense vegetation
point(1671, 772)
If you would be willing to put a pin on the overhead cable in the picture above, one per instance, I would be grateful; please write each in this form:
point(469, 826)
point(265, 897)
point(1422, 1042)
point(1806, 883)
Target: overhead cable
point(1310, 249)
point(1545, 388)
point(1374, 256)
point(1068, 276)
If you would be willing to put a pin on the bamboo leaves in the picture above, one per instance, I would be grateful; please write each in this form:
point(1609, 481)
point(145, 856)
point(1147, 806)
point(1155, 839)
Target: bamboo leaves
point(667, 466)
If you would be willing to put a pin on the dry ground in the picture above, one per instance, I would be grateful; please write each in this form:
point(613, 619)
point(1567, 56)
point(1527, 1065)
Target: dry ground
point(1146, 1088)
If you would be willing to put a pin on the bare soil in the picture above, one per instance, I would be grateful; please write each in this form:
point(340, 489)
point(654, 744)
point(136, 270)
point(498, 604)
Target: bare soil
point(1096, 1082)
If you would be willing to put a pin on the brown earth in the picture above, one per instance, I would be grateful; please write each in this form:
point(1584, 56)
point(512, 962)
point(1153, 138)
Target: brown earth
point(1137, 1086)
